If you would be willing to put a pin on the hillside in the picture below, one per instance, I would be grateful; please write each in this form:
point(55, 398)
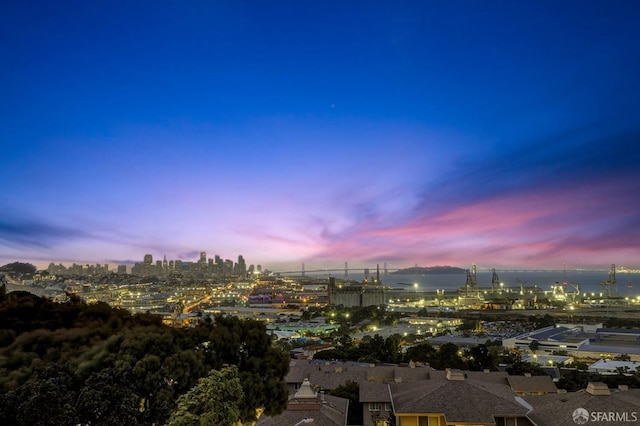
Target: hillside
point(429, 270)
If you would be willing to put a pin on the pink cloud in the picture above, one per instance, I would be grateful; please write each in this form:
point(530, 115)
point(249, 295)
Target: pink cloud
point(547, 226)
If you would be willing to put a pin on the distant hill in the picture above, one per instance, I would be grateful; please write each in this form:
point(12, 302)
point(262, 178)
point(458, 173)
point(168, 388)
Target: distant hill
point(429, 270)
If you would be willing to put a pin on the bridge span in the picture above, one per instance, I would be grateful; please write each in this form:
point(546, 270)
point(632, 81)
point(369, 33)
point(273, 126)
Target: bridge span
point(330, 270)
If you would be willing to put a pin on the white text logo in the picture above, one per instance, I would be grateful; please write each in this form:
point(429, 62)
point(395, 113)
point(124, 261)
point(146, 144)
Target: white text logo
point(581, 416)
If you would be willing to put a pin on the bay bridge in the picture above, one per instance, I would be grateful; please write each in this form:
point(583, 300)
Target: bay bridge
point(305, 269)
point(385, 268)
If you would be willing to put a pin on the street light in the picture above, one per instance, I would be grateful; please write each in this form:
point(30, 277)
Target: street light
point(305, 420)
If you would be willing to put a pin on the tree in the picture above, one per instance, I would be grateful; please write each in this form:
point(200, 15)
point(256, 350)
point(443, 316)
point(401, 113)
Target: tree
point(345, 341)
point(481, 358)
point(546, 321)
point(107, 400)
point(534, 346)
point(392, 349)
point(423, 352)
point(122, 368)
point(468, 325)
point(580, 365)
point(573, 381)
point(331, 354)
point(351, 391)
point(19, 268)
point(447, 357)
point(520, 368)
point(371, 350)
point(3, 289)
point(262, 367)
point(48, 398)
point(214, 400)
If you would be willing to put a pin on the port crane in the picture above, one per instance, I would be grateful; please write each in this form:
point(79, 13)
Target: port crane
point(576, 294)
point(610, 286)
point(495, 281)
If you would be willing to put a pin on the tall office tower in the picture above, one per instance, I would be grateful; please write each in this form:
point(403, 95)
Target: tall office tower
point(53, 269)
point(178, 266)
point(217, 268)
point(259, 268)
point(165, 265)
point(172, 267)
point(241, 267)
point(203, 257)
point(122, 269)
point(148, 259)
point(228, 267)
point(158, 266)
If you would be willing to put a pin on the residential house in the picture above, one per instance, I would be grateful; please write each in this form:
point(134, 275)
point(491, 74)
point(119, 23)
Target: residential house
point(307, 405)
point(457, 400)
point(532, 385)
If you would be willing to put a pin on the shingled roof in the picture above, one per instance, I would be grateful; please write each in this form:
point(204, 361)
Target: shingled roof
point(532, 384)
point(374, 392)
point(557, 409)
point(464, 401)
point(331, 375)
point(325, 410)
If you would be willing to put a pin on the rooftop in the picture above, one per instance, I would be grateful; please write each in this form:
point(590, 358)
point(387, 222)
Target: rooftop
point(557, 409)
point(551, 333)
point(325, 410)
point(482, 400)
point(532, 384)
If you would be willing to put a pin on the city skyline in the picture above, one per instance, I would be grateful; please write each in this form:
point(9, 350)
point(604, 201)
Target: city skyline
point(430, 133)
point(304, 267)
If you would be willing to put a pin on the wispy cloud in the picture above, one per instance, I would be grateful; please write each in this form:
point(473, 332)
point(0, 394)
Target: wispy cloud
point(567, 194)
point(565, 160)
point(37, 234)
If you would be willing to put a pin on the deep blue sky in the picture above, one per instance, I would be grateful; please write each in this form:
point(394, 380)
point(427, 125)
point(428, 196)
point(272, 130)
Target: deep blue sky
point(457, 132)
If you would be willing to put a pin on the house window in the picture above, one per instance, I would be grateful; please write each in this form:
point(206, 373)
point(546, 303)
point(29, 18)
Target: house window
point(506, 421)
point(428, 421)
point(387, 406)
point(374, 406)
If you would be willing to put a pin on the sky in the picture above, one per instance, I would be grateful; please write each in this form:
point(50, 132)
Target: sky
point(497, 133)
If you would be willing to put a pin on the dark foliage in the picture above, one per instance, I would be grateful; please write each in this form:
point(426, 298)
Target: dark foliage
point(19, 268)
point(521, 368)
point(447, 357)
point(376, 349)
point(423, 352)
point(75, 363)
point(480, 358)
point(351, 391)
point(575, 380)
